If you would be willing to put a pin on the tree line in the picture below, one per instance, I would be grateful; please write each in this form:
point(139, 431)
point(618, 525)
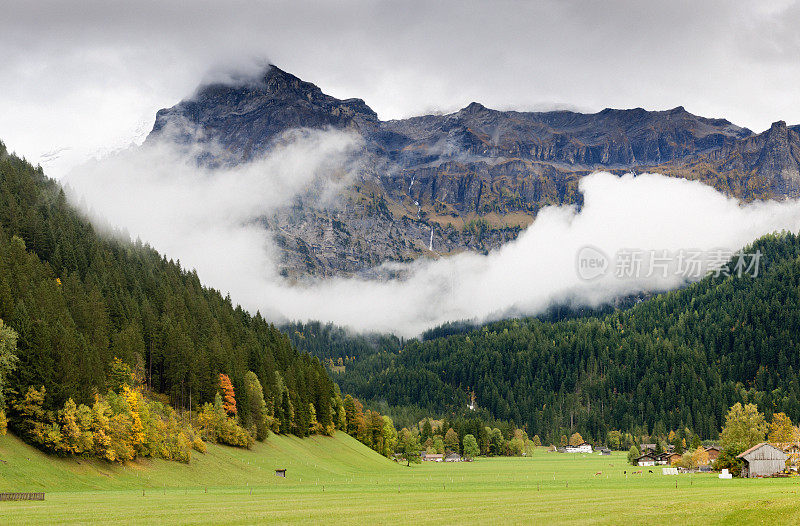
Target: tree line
point(468, 437)
point(677, 361)
point(80, 304)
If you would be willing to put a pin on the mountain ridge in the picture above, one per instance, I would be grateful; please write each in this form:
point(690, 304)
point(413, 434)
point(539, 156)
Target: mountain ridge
point(434, 185)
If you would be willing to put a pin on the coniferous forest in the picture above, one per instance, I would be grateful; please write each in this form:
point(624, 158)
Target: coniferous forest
point(109, 333)
point(679, 360)
point(106, 327)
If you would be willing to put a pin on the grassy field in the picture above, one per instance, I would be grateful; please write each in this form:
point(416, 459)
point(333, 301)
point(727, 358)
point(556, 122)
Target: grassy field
point(339, 480)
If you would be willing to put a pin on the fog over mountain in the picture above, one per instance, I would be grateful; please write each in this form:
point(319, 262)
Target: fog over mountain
point(84, 77)
point(437, 194)
point(436, 185)
point(208, 218)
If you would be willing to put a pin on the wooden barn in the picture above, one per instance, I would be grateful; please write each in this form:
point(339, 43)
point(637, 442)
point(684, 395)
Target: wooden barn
point(762, 460)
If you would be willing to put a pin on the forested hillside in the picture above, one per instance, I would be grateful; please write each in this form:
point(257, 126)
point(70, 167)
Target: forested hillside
point(78, 300)
point(678, 360)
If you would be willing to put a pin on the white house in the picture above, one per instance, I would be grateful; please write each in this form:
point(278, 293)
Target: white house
point(581, 448)
point(646, 460)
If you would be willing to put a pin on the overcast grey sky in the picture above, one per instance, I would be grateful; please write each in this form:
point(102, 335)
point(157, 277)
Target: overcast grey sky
point(77, 78)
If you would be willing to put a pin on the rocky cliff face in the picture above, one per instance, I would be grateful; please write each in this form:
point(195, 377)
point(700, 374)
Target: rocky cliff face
point(471, 180)
point(245, 118)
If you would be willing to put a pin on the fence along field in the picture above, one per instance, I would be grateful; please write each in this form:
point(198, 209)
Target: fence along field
point(21, 496)
point(340, 480)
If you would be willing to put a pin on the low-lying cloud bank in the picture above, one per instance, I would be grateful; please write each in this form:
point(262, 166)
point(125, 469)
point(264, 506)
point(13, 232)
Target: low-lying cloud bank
point(209, 219)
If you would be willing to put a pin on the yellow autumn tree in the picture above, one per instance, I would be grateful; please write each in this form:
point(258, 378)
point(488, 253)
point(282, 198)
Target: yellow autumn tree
point(576, 439)
point(72, 441)
point(101, 412)
point(137, 436)
point(700, 457)
point(781, 430)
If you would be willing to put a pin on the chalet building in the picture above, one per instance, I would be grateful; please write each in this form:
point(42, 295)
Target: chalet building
point(673, 458)
point(580, 448)
point(646, 460)
point(762, 460)
point(605, 451)
point(713, 453)
point(664, 459)
point(432, 457)
point(645, 448)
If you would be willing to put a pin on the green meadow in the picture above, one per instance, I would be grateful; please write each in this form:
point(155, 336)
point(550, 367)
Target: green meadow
point(338, 480)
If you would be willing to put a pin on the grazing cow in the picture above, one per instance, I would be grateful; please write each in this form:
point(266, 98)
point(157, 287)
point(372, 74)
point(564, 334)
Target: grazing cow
point(598, 473)
point(649, 470)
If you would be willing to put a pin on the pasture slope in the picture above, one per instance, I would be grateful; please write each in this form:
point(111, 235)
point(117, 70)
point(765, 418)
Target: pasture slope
point(338, 480)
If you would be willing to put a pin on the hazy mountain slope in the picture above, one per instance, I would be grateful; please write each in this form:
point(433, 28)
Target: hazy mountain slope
point(470, 180)
point(78, 300)
point(679, 359)
point(766, 165)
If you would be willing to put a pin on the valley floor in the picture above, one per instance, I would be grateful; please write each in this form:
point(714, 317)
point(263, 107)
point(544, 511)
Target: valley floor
point(338, 480)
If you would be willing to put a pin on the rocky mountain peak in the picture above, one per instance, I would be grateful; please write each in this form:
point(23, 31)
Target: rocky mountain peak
point(279, 83)
point(425, 180)
point(473, 108)
point(779, 127)
point(779, 159)
point(245, 116)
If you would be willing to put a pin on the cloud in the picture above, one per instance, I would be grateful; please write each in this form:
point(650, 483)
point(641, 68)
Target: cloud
point(209, 219)
point(90, 75)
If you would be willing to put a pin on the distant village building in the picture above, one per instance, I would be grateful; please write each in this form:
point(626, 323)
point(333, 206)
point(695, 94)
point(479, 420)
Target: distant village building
point(762, 460)
point(280, 473)
point(663, 459)
point(580, 448)
point(432, 457)
point(646, 460)
point(713, 453)
point(673, 458)
point(605, 451)
point(453, 457)
point(644, 448)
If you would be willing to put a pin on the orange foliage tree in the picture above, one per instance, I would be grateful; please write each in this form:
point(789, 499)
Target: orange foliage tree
point(228, 397)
